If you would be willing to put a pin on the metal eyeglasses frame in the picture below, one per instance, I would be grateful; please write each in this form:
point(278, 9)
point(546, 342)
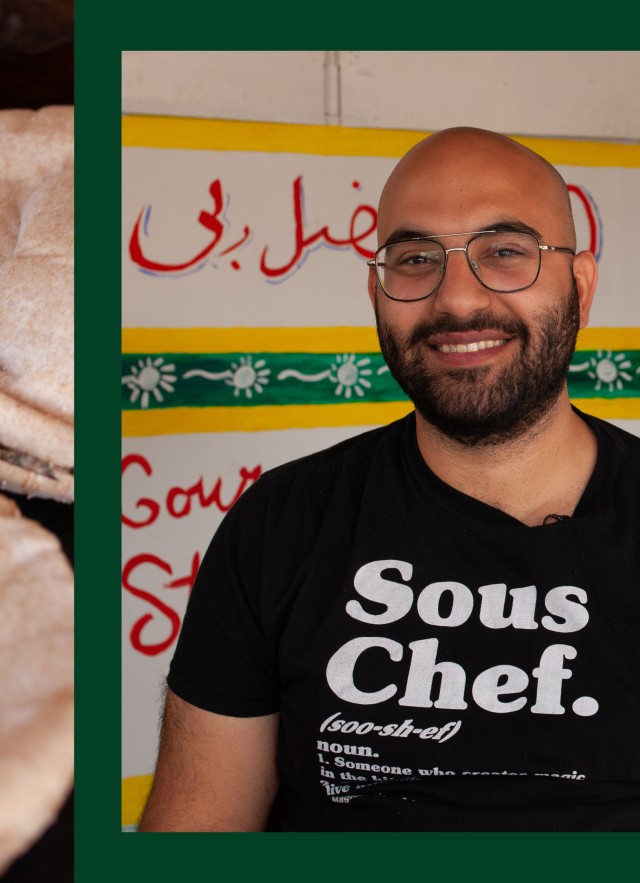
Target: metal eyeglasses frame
point(374, 264)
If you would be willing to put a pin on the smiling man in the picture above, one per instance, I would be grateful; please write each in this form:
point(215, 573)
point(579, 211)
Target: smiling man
point(481, 341)
point(438, 631)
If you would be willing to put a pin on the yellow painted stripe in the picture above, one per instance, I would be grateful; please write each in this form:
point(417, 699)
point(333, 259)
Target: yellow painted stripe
point(609, 339)
point(185, 421)
point(187, 133)
point(610, 409)
point(134, 795)
point(310, 340)
point(234, 340)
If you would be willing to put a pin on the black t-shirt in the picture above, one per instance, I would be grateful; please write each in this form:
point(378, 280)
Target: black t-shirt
point(438, 665)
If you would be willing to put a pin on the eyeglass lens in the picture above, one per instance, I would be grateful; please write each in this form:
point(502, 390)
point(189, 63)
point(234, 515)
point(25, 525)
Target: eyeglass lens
point(502, 261)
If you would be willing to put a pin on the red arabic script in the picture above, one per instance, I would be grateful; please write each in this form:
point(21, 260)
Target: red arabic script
point(364, 217)
point(210, 220)
point(304, 242)
point(591, 219)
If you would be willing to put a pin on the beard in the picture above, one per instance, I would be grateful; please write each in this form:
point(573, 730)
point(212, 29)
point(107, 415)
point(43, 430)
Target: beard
point(487, 405)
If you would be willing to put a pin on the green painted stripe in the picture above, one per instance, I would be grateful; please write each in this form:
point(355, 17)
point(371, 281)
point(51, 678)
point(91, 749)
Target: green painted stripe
point(199, 380)
point(604, 374)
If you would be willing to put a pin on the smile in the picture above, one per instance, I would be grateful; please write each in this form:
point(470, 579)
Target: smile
point(469, 347)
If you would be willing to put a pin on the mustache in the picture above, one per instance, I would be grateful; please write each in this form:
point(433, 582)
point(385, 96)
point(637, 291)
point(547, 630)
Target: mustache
point(447, 324)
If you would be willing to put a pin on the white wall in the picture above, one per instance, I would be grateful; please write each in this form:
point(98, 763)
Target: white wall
point(567, 93)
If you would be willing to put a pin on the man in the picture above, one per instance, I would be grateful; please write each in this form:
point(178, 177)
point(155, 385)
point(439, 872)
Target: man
point(432, 626)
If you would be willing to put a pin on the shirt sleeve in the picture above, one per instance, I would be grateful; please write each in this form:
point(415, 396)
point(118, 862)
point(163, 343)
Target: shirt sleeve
point(224, 662)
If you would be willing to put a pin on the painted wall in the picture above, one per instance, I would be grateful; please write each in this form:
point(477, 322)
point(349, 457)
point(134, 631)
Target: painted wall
point(564, 94)
point(248, 336)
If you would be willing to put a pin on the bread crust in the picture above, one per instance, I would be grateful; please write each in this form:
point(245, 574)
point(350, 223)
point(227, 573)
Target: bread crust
point(36, 673)
point(37, 300)
point(36, 459)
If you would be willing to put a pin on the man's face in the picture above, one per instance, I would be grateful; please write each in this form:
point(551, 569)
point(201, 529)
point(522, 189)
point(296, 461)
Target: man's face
point(480, 366)
point(499, 399)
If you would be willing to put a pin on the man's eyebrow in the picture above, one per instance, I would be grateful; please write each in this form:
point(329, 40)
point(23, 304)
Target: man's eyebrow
point(501, 225)
point(405, 233)
point(512, 225)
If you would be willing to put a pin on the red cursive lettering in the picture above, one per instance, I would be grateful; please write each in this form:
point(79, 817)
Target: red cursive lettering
point(136, 635)
point(303, 243)
point(188, 580)
point(587, 204)
point(151, 505)
point(179, 500)
point(210, 220)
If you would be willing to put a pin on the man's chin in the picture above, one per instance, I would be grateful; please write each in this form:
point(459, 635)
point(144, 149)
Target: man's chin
point(466, 405)
point(495, 402)
point(483, 421)
point(474, 432)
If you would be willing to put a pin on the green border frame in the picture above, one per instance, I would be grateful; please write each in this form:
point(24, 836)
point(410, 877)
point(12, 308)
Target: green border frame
point(102, 850)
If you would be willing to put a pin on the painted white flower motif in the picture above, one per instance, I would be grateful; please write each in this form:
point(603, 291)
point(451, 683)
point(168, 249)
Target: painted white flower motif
point(247, 377)
point(149, 377)
point(609, 370)
point(350, 375)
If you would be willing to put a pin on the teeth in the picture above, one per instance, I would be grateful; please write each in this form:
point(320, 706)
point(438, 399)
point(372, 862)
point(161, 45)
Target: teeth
point(470, 347)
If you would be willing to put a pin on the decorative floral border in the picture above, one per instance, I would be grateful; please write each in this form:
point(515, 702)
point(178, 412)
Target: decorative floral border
point(172, 380)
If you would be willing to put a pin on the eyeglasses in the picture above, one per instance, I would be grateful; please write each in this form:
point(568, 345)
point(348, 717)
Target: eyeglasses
point(504, 261)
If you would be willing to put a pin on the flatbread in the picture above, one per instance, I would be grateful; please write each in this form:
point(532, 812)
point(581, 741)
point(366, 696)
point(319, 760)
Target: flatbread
point(36, 302)
point(36, 678)
point(36, 459)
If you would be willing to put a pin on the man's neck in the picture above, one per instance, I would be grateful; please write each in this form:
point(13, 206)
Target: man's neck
point(543, 472)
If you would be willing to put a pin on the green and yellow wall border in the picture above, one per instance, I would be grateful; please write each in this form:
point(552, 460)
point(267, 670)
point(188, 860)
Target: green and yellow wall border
point(184, 380)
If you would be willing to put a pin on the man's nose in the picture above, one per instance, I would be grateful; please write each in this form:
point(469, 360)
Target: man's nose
point(460, 292)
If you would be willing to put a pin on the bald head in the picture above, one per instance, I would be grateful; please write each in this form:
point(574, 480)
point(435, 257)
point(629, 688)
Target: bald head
point(474, 177)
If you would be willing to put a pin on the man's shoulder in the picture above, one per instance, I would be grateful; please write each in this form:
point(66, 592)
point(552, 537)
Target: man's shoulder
point(623, 439)
point(358, 450)
point(295, 494)
point(619, 456)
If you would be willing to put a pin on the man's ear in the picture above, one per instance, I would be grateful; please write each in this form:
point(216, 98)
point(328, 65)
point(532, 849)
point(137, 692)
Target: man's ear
point(585, 271)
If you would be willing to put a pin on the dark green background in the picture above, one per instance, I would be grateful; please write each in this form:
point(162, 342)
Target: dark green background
point(103, 852)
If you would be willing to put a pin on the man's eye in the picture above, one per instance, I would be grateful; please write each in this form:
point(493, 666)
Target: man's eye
point(515, 247)
point(503, 252)
point(420, 258)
